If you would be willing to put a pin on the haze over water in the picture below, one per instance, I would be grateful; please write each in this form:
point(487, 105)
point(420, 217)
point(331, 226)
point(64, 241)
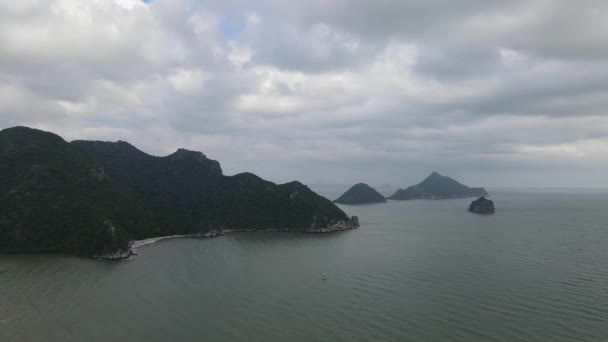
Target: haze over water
point(537, 270)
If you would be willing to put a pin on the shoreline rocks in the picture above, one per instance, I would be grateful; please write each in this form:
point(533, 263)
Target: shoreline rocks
point(114, 256)
point(341, 226)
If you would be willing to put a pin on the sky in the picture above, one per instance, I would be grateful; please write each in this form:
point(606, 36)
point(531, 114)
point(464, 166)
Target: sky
point(492, 93)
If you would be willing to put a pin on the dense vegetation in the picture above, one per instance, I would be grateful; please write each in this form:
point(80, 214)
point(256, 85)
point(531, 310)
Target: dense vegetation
point(437, 186)
point(91, 198)
point(360, 194)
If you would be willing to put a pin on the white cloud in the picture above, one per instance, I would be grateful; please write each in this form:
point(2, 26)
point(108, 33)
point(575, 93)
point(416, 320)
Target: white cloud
point(187, 81)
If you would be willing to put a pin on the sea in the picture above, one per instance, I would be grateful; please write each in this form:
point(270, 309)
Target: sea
point(425, 270)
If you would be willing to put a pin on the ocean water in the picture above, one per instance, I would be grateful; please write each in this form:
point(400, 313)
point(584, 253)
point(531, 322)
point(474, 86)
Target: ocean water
point(537, 270)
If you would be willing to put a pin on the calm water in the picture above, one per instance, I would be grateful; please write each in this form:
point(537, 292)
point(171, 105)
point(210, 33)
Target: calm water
point(414, 271)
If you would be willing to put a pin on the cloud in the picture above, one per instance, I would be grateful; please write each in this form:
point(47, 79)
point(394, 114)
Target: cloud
point(334, 91)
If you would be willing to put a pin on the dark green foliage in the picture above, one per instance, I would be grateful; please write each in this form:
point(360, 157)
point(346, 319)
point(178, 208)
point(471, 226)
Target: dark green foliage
point(190, 194)
point(91, 198)
point(437, 186)
point(50, 199)
point(361, 194)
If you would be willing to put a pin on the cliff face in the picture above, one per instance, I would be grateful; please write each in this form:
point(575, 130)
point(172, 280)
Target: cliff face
point(92, 198)
point(482, 206)
point(361, 194)
point(437, 186)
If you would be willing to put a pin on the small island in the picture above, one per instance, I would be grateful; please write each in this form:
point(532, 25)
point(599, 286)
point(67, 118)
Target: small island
point(482, 206)
point(361, 193)
point(437, 186)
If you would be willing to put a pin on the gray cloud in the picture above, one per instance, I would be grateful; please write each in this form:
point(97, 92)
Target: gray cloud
point(333, 91)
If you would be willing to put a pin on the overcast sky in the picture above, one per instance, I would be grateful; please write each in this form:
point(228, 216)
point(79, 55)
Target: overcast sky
point(493, 93)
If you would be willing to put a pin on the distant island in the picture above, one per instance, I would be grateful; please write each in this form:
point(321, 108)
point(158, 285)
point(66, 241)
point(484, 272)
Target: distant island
point(93, 198)
point(482, 205)
point(361, 194)
point(437, 186)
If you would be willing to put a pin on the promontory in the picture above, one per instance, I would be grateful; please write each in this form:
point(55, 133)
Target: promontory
point(92, 198)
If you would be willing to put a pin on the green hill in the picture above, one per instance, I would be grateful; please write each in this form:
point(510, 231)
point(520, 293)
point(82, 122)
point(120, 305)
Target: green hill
point(360, 194)
point(436, 186)
point(91, 198)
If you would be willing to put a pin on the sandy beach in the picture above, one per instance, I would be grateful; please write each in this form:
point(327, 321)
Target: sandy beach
point(146, 242)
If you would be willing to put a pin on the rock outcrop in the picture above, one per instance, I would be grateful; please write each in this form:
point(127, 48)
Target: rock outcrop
point(352, 223)
point(361, 194)
point(340, 226)
point(116, 255)
point(482, 206)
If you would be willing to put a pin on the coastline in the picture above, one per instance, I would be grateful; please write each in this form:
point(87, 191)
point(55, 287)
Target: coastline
point(145, 242)
point(341, 226)
point(334, 228)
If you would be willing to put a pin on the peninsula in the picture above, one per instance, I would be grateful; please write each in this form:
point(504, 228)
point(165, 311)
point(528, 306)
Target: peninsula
point(94, 198)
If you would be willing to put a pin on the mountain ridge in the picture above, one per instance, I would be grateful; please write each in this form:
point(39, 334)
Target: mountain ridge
point(92, 197)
